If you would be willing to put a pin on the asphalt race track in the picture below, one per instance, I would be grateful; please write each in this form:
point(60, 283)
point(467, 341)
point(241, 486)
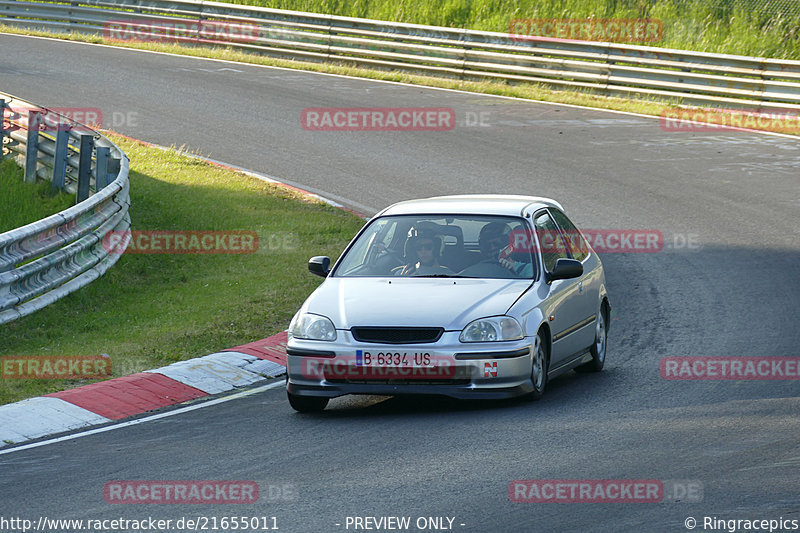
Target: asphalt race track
point(735, 292)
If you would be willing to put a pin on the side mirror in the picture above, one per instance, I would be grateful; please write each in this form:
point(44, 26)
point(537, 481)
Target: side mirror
point(565, 269)
point(320, 265)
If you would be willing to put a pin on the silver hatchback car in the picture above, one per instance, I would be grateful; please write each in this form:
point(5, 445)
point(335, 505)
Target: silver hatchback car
point(472, 296)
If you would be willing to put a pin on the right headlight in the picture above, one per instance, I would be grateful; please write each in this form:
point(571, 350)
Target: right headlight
point(490, 329)
point(312, 327)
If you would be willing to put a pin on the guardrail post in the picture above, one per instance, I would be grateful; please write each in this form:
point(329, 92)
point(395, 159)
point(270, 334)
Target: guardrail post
point(32, 146)
point(84, 167)
point(60, 159)
point(101, 168)
point(2, 126)
point(113, 169)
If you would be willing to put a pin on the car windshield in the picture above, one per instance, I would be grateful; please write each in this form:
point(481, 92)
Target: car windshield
point(468, 246)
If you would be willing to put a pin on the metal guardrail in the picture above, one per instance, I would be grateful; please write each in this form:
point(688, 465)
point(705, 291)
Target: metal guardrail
point(607, 68)
point(50, 258)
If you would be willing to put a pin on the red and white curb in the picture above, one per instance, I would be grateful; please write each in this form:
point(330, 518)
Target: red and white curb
point(118, 398)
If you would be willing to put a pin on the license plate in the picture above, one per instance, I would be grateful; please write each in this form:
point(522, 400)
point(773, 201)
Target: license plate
point(389, 358)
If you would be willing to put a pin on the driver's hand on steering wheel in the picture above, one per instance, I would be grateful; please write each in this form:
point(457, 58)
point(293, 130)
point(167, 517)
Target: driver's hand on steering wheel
point(408, 270)
point(507, 263)
point(503, 258)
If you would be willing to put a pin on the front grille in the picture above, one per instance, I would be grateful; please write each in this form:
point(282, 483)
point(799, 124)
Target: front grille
point(396, 335)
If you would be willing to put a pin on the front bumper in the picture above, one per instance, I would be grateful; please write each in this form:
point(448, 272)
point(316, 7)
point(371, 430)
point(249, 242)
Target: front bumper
point(466, 371)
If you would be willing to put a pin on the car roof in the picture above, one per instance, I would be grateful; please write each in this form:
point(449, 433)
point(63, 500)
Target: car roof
point(473, 204)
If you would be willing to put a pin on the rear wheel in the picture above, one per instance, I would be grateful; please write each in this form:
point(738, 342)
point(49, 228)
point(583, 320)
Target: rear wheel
point(539, 366)
point(307, 404)
point(598, 349)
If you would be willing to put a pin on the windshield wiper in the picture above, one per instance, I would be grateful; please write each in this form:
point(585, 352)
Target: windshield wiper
point(441, 276)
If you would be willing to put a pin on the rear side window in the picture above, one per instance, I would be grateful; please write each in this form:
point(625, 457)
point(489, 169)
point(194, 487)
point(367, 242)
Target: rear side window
point(575, 241)
point(551, 242)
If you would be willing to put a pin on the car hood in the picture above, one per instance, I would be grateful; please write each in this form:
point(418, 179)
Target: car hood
point(450, 303)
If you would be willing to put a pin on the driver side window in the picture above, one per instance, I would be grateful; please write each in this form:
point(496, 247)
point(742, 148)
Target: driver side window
point(551, 243)
point(577, 244)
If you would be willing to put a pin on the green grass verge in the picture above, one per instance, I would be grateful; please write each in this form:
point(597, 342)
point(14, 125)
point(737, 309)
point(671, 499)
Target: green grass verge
point(152, 310)
point(745, 27)
point(22, 203)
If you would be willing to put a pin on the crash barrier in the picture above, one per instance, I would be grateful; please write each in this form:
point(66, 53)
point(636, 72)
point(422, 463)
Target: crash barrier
point(50, 258)
point(717, 80)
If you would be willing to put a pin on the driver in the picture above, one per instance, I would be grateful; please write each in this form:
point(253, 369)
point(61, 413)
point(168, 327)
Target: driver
point(422, 250)
point(493, 239)
point(495, 248)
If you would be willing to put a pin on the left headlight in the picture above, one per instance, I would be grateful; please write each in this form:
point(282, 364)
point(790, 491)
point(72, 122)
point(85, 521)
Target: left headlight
point(312, 327)
point(494, 328)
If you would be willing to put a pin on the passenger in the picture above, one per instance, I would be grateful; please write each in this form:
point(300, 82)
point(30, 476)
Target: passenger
point(422, 249)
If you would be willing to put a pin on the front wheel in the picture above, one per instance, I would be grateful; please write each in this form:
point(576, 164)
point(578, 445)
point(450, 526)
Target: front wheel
point(539, 366)
point(307, 404)
point(598, 349)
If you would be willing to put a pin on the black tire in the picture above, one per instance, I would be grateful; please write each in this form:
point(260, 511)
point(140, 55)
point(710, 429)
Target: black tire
point(307, 404)
point(540, 361)
point(600, 346)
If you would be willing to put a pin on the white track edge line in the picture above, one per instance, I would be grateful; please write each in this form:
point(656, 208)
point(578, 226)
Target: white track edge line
point(460, 91)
